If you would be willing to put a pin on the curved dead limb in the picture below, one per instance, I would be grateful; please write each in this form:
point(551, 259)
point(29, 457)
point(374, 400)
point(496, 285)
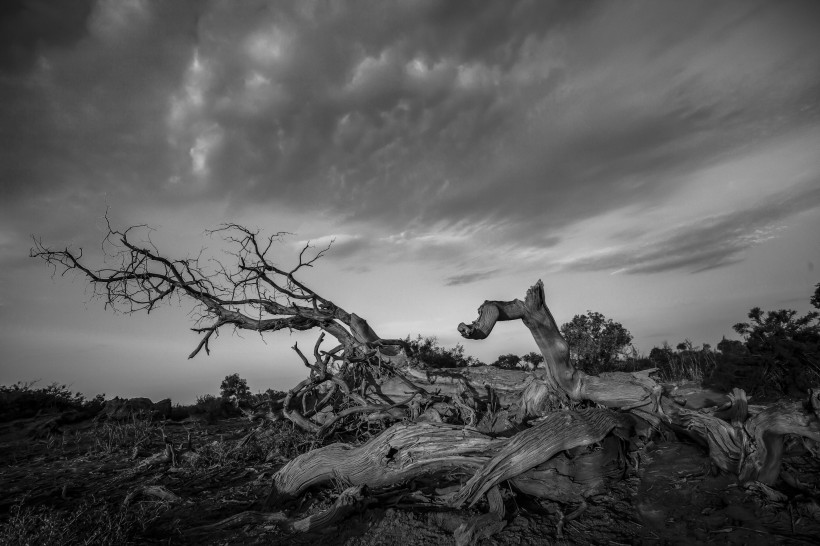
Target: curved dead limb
point(560, 378)
point(560, 375)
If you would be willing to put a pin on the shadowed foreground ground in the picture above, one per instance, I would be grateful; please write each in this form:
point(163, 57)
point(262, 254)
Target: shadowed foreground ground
point(90, 477)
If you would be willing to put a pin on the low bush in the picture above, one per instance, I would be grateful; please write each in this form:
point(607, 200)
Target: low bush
point(213, 408)
point(23, 400)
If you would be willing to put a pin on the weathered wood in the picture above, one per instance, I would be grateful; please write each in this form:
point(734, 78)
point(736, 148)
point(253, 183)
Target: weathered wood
point(485, 525)
point(400, 453)
point(506, 384)
point(746, 440)
point(559, 373)
point(568, 479)
point(558, 431)
point(768, 428)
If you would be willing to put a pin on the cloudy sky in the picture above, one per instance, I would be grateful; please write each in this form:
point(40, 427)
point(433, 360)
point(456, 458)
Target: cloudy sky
point(658, 162)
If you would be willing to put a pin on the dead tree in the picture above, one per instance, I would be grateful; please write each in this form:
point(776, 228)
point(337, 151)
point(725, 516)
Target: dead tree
point(254, 294)
point(459, 433)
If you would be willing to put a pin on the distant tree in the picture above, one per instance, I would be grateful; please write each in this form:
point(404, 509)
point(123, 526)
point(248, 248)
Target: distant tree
point(594, 340)
point(787, 343)
point(507, 362)
point(766, 330)
point(533, 359)
point(815, 299)
point(233, 385)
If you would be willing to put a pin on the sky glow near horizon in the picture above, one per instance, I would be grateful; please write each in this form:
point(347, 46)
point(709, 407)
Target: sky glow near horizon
point(658, 162)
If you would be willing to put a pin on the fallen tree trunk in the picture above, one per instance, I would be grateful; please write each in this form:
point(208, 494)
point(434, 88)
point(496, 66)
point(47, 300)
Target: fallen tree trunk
point(743, 440)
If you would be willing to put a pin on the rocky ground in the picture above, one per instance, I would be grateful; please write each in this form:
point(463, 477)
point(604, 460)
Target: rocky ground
point(108, 482)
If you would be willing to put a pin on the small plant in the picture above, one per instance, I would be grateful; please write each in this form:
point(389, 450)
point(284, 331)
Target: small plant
point(136, 434)
point(91, 522)
point(286, 441)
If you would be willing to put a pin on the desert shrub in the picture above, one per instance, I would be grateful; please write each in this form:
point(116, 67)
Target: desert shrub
point(786, 345)
point(428, 353)
point(23, 400)
point(213, 408)
point(507, 362)
point(685, 363)
point(180, 412)
point(216, 453)
point(281, 441)
point(739, 370)
point(136, 433)
point(284, 440)
point(513, 361)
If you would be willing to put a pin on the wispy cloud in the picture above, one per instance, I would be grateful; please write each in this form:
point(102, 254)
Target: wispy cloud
point(467, 278)
point(704, 243)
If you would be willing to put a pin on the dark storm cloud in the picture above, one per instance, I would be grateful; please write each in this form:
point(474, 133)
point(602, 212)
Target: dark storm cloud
point(28, 27)
point(515, 119)
point(90, 113)
point(707, 243)
point(523, 118)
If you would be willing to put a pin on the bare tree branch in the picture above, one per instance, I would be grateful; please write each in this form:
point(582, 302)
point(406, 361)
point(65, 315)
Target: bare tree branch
point(254, 294)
